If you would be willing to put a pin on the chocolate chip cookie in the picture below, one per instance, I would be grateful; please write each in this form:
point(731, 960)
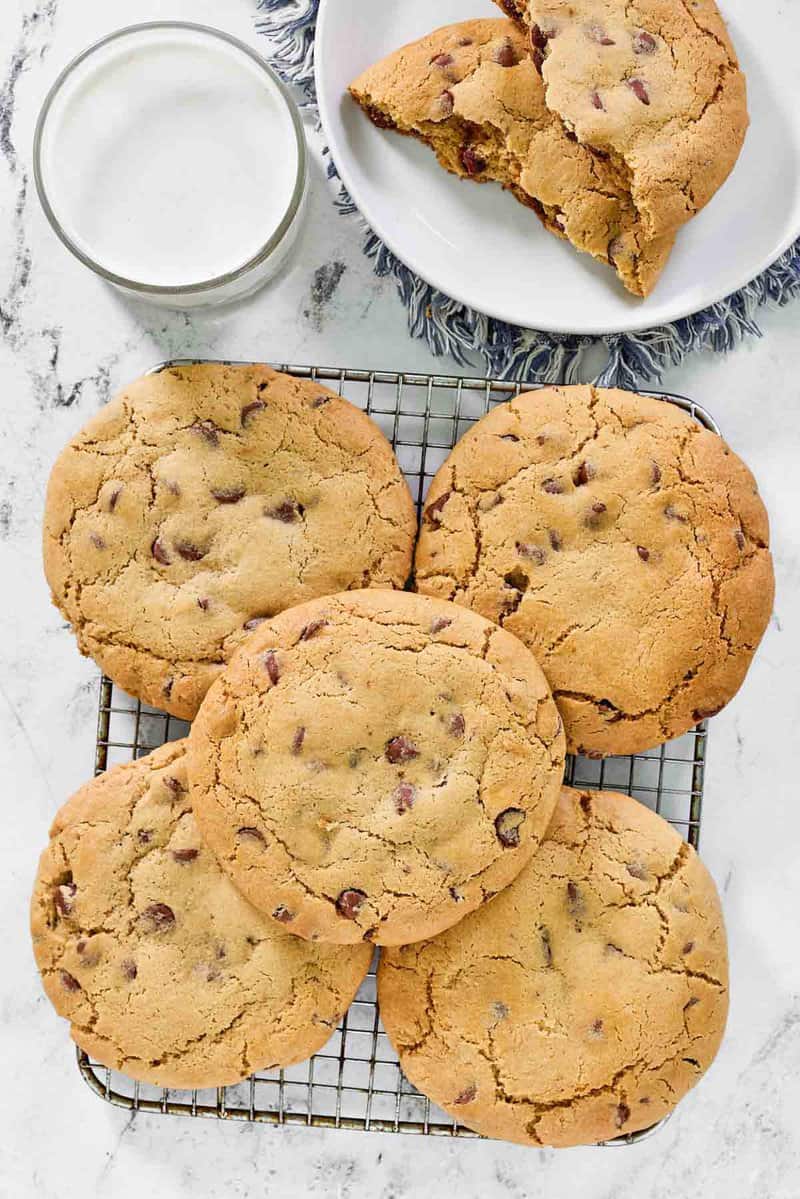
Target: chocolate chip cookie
point(472, 93)
point(626, 545)
point(654, 85)
point(205, 499)
point(375, 765)
point(584, 1001)
point(164, 971)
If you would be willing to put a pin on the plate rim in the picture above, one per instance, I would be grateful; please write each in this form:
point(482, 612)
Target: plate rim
point(638, 324)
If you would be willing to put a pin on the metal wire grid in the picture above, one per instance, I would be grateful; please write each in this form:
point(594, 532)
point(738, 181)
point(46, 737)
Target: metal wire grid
point(355, 1081)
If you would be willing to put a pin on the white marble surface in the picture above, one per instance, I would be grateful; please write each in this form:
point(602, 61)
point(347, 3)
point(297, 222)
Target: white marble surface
point(66, 343)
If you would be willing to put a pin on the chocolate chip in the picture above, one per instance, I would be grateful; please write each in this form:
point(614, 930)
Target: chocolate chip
point(644, 43)
point(655, 474)
point(208, 431)
point(287, 511)
point(672, 513)
point(174, 785)
point(456, 725)
point(575, 901)
point(467, 1095)
point(298, 739)
point(129, 969)
point(688, 947)
point(159, 917)
point(159, 552)
point(439, 623)
point(433, 513)
point(533, 553)
point(643, 553)
point(442, 107)
point(380, 119)
point(349, 903)
point(456, 895)
point(471, 161)
point(271, 664)
point(639, 89)
point(555, 540)
point(583, 474)
point(249, 834)
point(597, 101)
point(253, 623)
point(228, 495)
point(250, 410)
point(144, 836)
point(596, 33)
point(623, 1115)
point(401, 749)
point(64, 898)
point(68, 981)
point(740, 541)
point(283, 914)
point(321, 401)
point(595, 512)
point(509, 437)
point(113, 498)
point(311, 629)
point(404, 798)
point(615, 249)
point(505, 54)
point(507, 826)
point(539, 38)
point(552, 487)
point(185, 855)
point(464, 41)
point(97, 541)
point(204, 603)
point(597, 1028)
point(547, 948)
point(442, 60)
point(636, 870)
point(189, 551)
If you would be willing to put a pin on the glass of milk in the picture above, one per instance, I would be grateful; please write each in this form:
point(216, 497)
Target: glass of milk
point(171, 160)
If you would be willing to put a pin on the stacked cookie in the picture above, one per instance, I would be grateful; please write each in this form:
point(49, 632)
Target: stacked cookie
point(615, 125)
point(369, 766)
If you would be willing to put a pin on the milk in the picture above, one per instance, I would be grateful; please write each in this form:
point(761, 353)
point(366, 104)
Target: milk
point(170, 157)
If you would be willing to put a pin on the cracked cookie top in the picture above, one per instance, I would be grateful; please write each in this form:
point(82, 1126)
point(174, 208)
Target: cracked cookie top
point(625, 544)
point(375, 765)
point(204, 499)
point(472, 93)
point(584, 1001)
point(654, 84)
point(163, 969)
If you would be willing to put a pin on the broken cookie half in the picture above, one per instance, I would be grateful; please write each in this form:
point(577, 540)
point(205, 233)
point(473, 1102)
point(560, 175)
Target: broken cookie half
point(655, 85)
point(471, 91)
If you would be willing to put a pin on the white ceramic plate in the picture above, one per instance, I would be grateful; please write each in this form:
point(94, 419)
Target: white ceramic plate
point(483, 248)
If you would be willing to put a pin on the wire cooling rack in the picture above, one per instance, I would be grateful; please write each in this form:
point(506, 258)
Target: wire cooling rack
point(355, 1082)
